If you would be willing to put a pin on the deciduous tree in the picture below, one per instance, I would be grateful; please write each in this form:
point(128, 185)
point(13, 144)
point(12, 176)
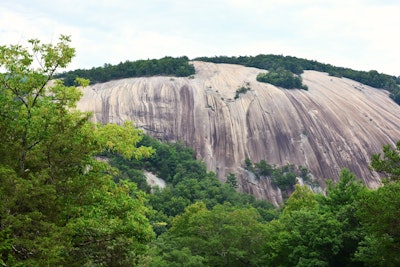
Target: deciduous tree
point(59, 205)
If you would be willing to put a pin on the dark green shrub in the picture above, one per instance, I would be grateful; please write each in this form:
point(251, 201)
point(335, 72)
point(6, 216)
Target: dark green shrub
point(282, 78)
point(241, 90)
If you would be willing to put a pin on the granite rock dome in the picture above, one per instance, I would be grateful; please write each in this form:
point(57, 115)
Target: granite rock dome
point(336, 123)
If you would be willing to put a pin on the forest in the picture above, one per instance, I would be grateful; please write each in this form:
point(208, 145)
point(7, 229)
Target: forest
point(291, 67)
point(167, 66)
point(283, 71)
point(73, 193)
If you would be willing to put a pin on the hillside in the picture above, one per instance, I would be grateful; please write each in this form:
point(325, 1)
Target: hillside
point(336, 123)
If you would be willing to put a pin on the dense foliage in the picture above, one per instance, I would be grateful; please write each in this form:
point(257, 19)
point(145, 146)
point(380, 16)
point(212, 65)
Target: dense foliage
point(222, 236)
point(349, 226)
point(336, 229)
point(283, 177)
point(200, 222)
point(168, 66)
point(58, 205)
point(63, 204)
point(267, 62)
point(296, 65)
point(188, 182)
point(282, 78)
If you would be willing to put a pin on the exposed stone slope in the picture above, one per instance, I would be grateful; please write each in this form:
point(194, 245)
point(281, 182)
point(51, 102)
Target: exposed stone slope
point(336, 123)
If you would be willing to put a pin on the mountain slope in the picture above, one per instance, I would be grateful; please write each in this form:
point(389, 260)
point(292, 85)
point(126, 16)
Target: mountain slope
point(336, 123)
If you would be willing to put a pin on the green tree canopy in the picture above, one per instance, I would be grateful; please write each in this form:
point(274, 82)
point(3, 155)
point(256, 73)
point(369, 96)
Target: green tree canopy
point(59, 205)
point(223, 236)
point(304, 235)
point(342, 200)
point(282, 78)
point(388, 162)
point(379, 212)
point(169, 66)
point(298, 65)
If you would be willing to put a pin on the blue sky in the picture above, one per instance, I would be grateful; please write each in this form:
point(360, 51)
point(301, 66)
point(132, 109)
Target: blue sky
point(359, 34)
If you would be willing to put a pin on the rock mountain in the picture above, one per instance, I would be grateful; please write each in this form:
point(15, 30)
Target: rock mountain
point(336, 123)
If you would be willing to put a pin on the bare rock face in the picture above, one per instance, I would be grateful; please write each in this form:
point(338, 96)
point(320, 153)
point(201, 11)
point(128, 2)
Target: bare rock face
point(336, 123)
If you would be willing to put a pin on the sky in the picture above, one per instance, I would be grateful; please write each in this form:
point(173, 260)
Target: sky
point(357, 34)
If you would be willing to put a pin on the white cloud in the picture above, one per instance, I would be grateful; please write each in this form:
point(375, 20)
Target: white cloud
point(359, 34)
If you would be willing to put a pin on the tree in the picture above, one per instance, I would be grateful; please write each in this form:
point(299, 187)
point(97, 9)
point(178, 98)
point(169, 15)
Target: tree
point(59, 205)
point(304, 234)
point(231, 180)
point(263, 168)
point(342, 200)
point(302, 198)
point(179, 67)
point(282, 69)
point(249, 165)
point(223, 236)
point(305, 237)
point(379, 212)
point(282, 78)
point(388, 163)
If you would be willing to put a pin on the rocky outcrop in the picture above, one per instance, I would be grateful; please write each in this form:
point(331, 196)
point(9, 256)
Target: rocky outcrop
point(336, 123)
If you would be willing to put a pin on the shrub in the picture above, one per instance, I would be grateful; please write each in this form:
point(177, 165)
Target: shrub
point(241, 90)
point(282, 78)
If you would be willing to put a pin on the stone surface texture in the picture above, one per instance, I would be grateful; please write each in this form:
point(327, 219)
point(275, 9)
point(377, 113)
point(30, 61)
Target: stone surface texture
point(336, 123)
